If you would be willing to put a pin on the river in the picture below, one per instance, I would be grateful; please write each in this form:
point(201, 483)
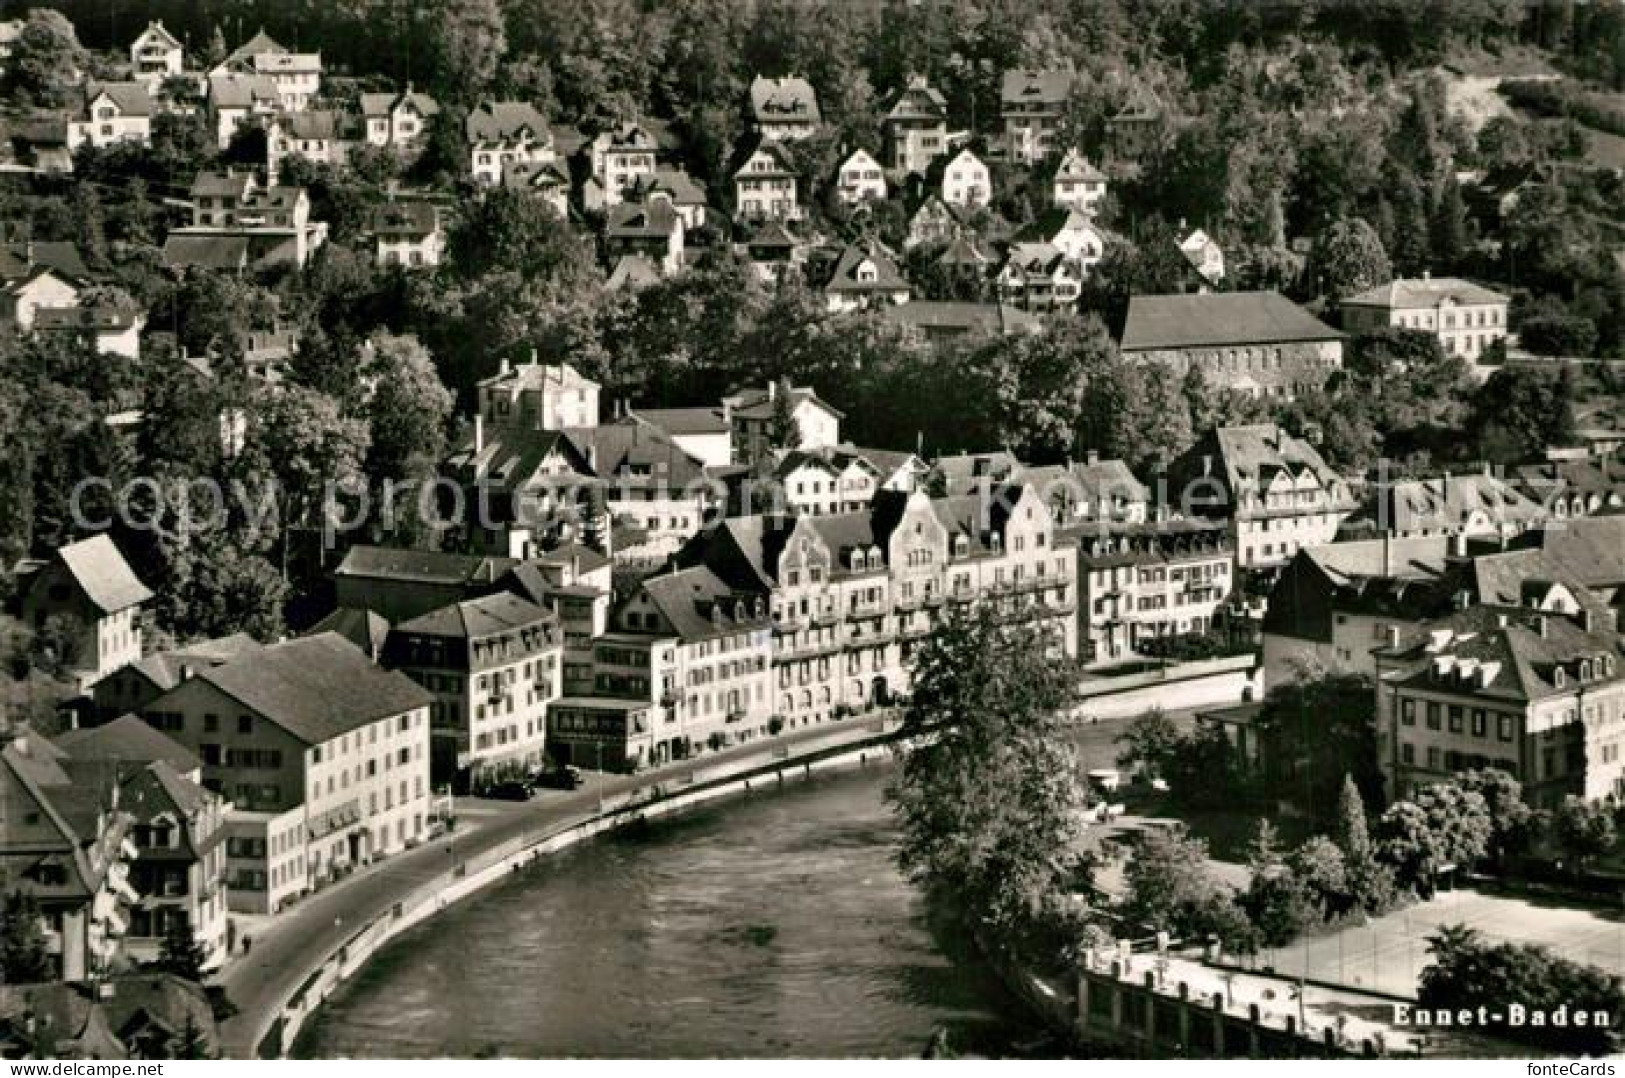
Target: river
point(770, 926)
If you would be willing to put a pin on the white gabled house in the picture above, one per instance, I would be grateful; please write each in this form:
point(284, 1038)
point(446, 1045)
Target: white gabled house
point(114, 112)
point(860, 179)
point(966, 181)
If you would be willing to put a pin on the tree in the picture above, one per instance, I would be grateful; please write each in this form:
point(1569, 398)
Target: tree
point(1467, 970)
point(216, 589)
point(1509, 815)
point(467, 41)
point(507, 233)
point(1317, 730)
point(180, 952)
point(1442, 826)
point(783, 432)
point(23, 955)
point(1583, 830)
point(1519, 411)
point(1449, 227)
point(1370, 883)
point(1557, 334)
point(1149, 743)
point(991, 806)
point(1170, 887)
point(1318, 866)
point(1275, 899)
point(1347, 257)
point(190, 1042)
point(46, 60)
point(407, 411)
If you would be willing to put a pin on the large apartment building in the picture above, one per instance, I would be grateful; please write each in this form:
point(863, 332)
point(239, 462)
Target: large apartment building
point(492, 664)
point(1144, 582)
point(1539, 694)
point(1465, 317)
point(324, 756)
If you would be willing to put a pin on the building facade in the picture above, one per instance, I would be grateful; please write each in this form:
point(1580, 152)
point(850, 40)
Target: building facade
point(1258, 343)
point(1139, 583)
point(1465, 317)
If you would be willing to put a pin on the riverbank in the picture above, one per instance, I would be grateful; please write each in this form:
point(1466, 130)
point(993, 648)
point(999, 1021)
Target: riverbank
point(329, 936)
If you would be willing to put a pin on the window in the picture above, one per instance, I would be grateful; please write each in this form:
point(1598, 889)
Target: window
point(1480, 722)
point(245, 724)
point(1455, 718)
point(1433, 716)
point(1407, 752)
point(1407, 712)
point(1504, 727)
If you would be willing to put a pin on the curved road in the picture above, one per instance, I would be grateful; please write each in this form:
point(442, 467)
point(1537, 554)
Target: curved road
point(296, 942)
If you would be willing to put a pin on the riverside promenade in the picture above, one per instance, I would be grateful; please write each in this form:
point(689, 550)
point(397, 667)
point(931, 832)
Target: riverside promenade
point(289, 948)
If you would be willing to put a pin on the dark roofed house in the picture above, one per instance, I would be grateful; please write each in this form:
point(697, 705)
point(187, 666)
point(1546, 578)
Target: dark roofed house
point(92, 589)
point(1260, 343)
point(399, 584)
point(785, 108)
point(949, 321)
point(865, 276)
point(1031, 104)
point(408, 233)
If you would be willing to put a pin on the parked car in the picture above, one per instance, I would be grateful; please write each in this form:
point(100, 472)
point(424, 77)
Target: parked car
point(559, 778)
point(508, 791)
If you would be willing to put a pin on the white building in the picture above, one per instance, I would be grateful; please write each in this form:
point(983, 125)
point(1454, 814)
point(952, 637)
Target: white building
point(156, 55)
point(860, 178)
point(397, 121)
point(114, 112)
point(966, 181)
point(1466, 317)
point(504, 133)
point(1078, 185)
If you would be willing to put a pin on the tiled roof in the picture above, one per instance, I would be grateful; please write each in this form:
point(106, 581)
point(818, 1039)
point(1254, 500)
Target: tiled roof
point(313, 125)
point(655, 219)
point(364, 628)
point(684, 189)
point(92, 319)
point(101, 572)
point(315, 687)
point(1447, 501)
point(1426, 293)
point(130, 740)
point(783, 99)
point(497, 121)
point(233, 91)
point(699, 605)
point(131, 98)
point(918, 101)
point(410, 219)
point(381, 105)
point(845, 278)
point(260, 43)
point(60, 256)
point(632, 271)
point(677, 421)
point(424, 566)
point(472, 619)
point(1509, 654)
point(784, 162)
point(1023, 87)
point(758, 403)
point(158, 32)
point(984, 318)
point(222, 184)
point(1218, 319)
point(634, 454)
point(1076, 167)
point(528, 174)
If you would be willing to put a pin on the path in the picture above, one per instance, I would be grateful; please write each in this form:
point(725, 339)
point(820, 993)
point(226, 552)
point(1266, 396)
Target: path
point(288, 947)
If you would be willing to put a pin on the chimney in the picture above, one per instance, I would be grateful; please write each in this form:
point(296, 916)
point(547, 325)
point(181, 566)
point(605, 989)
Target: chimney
point(1092, 457)
point(186, 671)
point(772, 391)
point(1427, 275)
point(1393, 636)
point(505, 368)
point(1540, 625)
point(479, 433)
point(1207, 464)
point(1458, 544)
point(533, 355)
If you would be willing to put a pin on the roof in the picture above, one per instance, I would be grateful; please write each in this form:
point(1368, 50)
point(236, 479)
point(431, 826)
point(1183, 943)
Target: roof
point(237, 91)
point(1027, 87)
point(205, 251)
point(498, 121)
point(315, 687)
point(527, 174)
point(1141, 104)
point(288, 62)
point(534, 375)
point(95, 319)
point(632, 271)
point(470, 619)
point(955, 317)
point(423, 566)
point(380, 105)
point(680, 421)
point(655, 219)
point(313, 125)
point(222, 184)
point(62, 257)
point(784, 99)
point(156, 29)
point(1443, 502)
point(128, 739)
point(1033, 259)
point(684, 189)
point(1248, 458)
point(101, 572)
point(845, 277)
point(131, 98)
point(364, 628)
point(1218, 319)
point(1075, 166)
point(1508, 654)
point(406, 219)
point(260, 43)
point(636, 454)
point(758, 403)
point(1428, 292)
point(918, 101)
point(773, 234)
point(784, 163)
point(166, 669)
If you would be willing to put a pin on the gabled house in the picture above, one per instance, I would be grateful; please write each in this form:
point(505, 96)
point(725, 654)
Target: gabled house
point(1077, 185)
point(933, 221)
point(113, 112)
point(177, 828)
point(934, 321)
point(652, 228)
point(1260, 343)
point(633, 272)
point(963, 180)
point(1039, 277)
point(783, 109)
point(1071, 232)
point(324, 755)
point(773, 252)
point(27, 288)
point(859, 179)
point(749, 414)
point(156, 55)
point(765, 183)
point(408, 234)
point(500, 134)
point(702, 433)
point(1205, 257)
point(916, 127)
point(546, 181)
point(63, 844)
point(1032, 104)
point(1466, 318)
point(398, 121)
point(1136, 127)
point(237, 100)
point(132, 686)
point(865, 276)
point(1471, 504)
point(123, 1016)
point(297, 76)
point(318, 135)
point(90, 586)
point(236, 220)
point(622, 157)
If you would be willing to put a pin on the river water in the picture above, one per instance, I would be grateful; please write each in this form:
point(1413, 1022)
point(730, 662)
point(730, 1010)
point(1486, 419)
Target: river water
point(775, 925)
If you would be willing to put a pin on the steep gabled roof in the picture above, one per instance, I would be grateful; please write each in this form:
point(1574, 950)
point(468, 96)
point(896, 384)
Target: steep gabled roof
point(129, 740)
point(381, 105)
point(845, 277)
point(783, 161)
point(131, 98)
point(102, 574)
point(498, 121)
point(156, 31)
point(698, 605)
point(1076, 167)
point(406, 219)
point(1028, 86)
point(473, 619)
point(314, 687)
point(655, 219)
point(364, 628)
point(781, 100)
point(260, 44)
point(917, 101)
